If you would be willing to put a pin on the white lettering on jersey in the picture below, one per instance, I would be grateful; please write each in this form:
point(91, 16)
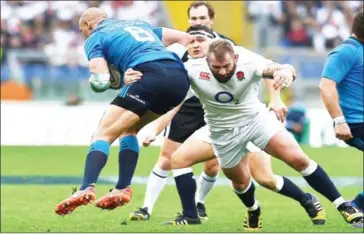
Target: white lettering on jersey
point(230, 104)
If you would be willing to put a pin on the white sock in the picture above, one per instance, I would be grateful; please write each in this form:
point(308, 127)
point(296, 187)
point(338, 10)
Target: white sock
point(156, 181)
point(204, 186)
point(338, 202)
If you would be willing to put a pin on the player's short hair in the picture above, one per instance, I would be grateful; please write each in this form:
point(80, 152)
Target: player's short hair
point(358, 25)
point(201, 30)
point(219, 48)
point(210, 9)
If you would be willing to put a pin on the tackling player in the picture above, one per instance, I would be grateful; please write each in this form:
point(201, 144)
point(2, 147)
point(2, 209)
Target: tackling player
point(188, 119)
point(235, 117)
point(260, 163)
point(341, 89)
point(118, 45)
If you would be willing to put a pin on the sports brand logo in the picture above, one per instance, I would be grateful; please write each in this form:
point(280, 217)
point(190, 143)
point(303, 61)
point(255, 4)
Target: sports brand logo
point(136, 98)
point(240, 75)
point(205, 76)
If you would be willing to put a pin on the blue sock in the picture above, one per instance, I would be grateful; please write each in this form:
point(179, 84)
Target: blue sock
point(359, 201)
point(96, 159)
point(317, 178)
point(186, 187)
point(128, 159)
point(291, 190)
point(247, 197)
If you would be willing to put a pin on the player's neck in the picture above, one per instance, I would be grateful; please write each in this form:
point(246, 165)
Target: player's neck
point(354, 36)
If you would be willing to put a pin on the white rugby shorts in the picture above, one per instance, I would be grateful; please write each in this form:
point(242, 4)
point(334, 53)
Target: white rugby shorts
point(232, 144)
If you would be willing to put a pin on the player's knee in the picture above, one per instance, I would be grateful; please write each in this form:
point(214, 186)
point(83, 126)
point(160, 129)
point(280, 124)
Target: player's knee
point(212, 168)
point(178, 162)
point(300, 162)
point(241, 184)
point(164, 162)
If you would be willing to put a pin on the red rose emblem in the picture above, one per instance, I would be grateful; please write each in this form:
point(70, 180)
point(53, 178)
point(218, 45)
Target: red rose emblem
point(240, 75)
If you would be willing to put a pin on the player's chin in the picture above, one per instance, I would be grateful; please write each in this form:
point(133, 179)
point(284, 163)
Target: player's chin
point(223, 79)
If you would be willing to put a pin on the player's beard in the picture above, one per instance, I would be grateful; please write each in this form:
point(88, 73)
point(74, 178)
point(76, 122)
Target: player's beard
point(225, 78)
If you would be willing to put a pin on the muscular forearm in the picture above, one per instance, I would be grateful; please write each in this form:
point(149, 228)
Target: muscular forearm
point(269, 71)
point(163, 121)
point(274, 94)
point(330, 98)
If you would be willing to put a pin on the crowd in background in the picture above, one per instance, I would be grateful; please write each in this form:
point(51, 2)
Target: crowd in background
point(51, 28)
point(320, 25)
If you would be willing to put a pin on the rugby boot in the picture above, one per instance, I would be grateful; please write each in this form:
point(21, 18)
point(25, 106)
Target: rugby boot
point(182, 220)
point(116, 198)
point(201, 210)
point(350, 213)
point(140, 214)
point(253, 220)
point(78, 198)
point(314, 210)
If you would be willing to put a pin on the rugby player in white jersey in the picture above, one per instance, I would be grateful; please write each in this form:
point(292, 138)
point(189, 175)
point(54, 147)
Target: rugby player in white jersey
point(236, 117)
point(260, 163)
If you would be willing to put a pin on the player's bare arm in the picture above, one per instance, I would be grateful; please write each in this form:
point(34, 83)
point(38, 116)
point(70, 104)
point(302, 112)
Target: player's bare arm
point(330, 97)
point(283, 74)
point(171, 36)
point(159, 124)
point(100, 76)
point(275, 102)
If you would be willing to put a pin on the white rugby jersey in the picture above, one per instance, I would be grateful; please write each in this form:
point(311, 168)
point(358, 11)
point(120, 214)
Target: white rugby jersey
point(230, 104)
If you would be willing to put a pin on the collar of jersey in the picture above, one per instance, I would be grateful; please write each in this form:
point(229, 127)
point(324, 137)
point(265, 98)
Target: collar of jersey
point(356, 39)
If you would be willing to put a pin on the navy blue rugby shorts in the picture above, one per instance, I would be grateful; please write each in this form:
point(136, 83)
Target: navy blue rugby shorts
point(163, 86)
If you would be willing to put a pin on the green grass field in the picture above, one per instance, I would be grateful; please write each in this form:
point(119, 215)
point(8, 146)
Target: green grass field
point(29, 208)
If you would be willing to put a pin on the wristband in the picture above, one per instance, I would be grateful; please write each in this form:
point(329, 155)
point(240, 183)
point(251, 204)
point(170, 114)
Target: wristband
point(339, 120)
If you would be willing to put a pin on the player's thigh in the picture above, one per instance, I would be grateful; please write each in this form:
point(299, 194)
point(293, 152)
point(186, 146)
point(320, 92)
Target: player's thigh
point(114, 122)
point(284, 147)
point(239, 174)
point(192, 151)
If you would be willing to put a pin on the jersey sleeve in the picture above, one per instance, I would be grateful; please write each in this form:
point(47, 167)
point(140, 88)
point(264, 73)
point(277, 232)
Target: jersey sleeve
point(158, 31)
point(339, 62)
point(93, 47)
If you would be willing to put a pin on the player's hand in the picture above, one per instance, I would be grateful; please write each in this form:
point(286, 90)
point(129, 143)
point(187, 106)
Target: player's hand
point(279, 108)
point(149, 139)
point(132, 76)
point(343, 131)
point(282, 78)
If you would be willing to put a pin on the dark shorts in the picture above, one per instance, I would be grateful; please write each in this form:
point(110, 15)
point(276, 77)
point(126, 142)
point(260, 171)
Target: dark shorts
point(187, 120)
point(163, 86)
point(357, 130)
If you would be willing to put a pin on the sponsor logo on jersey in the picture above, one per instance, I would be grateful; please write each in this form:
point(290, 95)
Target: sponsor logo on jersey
point(136, 98)
point(205, 76)
point(240, 75)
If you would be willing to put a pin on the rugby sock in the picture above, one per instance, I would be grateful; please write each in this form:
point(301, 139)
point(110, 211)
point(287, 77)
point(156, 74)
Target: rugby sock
point(128, 159)
point(96, 159)
point(186, 187)
point(247, 197)
point(317, 178)
point(359, 201)
point(204, 185)
point(156, 181)
point(287, 188)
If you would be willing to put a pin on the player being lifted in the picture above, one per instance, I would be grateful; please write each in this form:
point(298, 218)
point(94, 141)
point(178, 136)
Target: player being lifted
point(260, 164)
point(121, 44)
point(235, 117)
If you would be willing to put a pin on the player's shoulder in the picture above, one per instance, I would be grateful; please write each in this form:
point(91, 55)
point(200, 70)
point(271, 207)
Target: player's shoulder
point(347, 48)
point(178, 49)
point(243, 55)
point(195, 66)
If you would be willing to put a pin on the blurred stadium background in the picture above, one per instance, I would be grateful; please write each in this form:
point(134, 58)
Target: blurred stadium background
point(46, 100)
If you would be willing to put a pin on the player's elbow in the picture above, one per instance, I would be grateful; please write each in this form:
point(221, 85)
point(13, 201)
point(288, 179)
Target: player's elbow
point(326, 85)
